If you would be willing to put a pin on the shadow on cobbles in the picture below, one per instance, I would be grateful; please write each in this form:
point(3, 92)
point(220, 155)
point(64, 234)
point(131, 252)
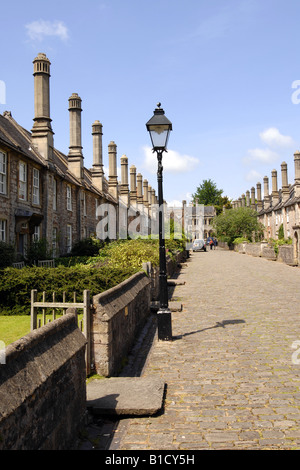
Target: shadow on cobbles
point(221, 324)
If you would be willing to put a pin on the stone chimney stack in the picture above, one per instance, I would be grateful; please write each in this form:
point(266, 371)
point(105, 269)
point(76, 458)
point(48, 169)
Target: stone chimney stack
point(252, 198)
point(266, 193)
point(145, 193)
point(275, 194)
point(124, 188)
point(259, 200)
point(97, 170)
point(112, 169)
point(133, 194)
point(243, 200)
point(149, 194)
point(75, 157)
point(297, 173)
point(42, 133)
point(248, 198)
point(139, 179)
point(284, 180)
point(153, 198)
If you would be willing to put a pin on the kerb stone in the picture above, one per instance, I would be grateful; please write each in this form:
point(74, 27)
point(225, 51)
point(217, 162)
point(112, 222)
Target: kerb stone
point(125, 396)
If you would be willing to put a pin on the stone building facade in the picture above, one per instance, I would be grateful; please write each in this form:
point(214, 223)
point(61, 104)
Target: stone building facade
point(47, 194)
point(278, 206)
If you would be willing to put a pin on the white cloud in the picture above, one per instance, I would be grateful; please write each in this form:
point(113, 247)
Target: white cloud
point(273, 138)
point(173, 162)
point(253, 175)
point(38, 30)
point(261, 156)
point(174, 203)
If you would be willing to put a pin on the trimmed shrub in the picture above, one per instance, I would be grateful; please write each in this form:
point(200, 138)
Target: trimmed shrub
point(16, 284)
point(87, 247)
point(7, 254)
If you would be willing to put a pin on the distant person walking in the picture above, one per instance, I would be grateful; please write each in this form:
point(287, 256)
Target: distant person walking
point(211, 242)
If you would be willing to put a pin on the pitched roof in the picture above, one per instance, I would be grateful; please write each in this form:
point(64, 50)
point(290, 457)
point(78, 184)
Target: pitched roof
point(17, 138)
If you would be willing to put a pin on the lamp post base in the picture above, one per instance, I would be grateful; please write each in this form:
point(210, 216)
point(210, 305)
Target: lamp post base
point(164, 324)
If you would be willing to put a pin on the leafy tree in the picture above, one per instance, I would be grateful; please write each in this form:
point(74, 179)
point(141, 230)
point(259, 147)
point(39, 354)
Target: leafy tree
point(38, 250)
point(208, 194)
point(223, 202)
point(235, 223)
point(281, 232)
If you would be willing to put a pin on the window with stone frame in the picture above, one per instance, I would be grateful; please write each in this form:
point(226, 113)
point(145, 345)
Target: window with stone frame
point(3, 173)
point(3, 224)
point(35, 186)
point(23, 181)
point(69, 197)
point(54, 194)
point(36, 234)
point(69, 238)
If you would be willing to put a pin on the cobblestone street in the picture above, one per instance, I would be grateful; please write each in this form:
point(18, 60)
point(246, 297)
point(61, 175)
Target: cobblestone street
point(231, 371)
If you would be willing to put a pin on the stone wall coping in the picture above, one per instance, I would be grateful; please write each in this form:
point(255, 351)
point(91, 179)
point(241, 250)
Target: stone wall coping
point(119, 289)
point(31, 360)
point(27, 342)
point(116, 298)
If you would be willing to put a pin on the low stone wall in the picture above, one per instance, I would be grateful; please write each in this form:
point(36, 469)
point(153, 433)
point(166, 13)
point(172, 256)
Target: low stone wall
point(253, 249)
point(268, 252)
point(119, 313)
point(259, 249)
point(286, 255)
point(43, 389)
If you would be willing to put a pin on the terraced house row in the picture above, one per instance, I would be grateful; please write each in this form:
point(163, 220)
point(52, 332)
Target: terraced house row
point(47, 194)
point(278, 206)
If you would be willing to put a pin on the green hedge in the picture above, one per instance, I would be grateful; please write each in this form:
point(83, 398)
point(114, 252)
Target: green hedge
point(116, 262)
point(16, 284)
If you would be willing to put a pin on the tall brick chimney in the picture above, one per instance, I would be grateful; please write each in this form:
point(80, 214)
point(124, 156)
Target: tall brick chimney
point(252, 198)
point(112, 169)
point(275, 193)
point(133, 192)
point(259, 200)
point(97, 170)
point(266, 193)
point(42, 133)
point(297, 173)
point(75, 157)
point(284, 181)
point(124, 188)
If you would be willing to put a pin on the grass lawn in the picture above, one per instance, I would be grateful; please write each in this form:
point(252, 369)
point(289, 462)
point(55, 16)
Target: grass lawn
point(13, 327)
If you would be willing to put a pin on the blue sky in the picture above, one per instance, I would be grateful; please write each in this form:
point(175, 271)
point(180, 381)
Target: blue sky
point(223, 71)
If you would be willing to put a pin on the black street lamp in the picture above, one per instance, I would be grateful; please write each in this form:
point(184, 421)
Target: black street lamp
point(159, 128)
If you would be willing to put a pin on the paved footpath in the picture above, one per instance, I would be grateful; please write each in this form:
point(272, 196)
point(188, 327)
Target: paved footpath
point(233, 381)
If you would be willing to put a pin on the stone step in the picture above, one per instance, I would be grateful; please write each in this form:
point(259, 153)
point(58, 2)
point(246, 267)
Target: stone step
point(135, 396)
point(174, 306)
point(175, 282)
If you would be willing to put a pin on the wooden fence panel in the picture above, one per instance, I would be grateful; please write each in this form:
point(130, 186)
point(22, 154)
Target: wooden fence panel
point(85, 306)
